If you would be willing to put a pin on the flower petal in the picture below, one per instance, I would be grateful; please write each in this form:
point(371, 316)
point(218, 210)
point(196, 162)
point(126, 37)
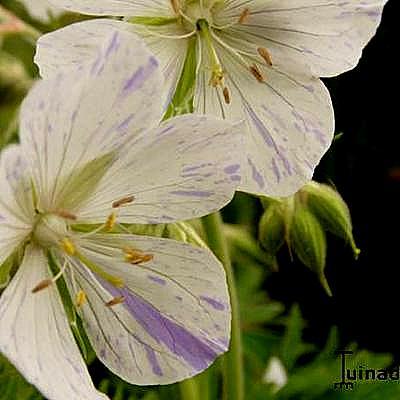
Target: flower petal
point(78, 42)
point(74, 118)
point(328, 35)
point(36, 338)
point(186, 168)
point(41, 9)
point(117, 7)
point(289, 119)
point(16, 205)
point(176, 316)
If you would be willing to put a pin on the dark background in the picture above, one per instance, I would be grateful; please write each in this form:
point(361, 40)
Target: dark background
point(364, 165)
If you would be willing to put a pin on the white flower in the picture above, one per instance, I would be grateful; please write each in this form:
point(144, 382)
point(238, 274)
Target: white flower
point(263, 57)
point(155, 310)
point(275, 374)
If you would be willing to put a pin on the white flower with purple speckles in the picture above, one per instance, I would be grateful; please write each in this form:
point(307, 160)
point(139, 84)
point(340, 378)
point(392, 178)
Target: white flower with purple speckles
point(258, 60)
point(93, 151)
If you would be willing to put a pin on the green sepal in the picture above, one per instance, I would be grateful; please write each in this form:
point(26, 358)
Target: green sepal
point(152, 21)
point(331, 210)
point(308, 241)
point(182, 101)
point(271, 229)
point(72, 316)
point(9, 266)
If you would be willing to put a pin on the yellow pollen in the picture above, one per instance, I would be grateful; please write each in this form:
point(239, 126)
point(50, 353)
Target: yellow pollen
point(136, 256)
point(244, 16)
point(68, 246)
point(42, 285)
point(217, 77)
point(257, 73)
point(123, 201)
point(81, 298)
point(66, 214)
point(176, 6)
point(111, 220)
point(115, 301)
point(227, 95)
point(264, 53)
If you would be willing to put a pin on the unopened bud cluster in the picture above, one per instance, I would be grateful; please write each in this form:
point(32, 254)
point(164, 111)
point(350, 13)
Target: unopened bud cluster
point(302, 220)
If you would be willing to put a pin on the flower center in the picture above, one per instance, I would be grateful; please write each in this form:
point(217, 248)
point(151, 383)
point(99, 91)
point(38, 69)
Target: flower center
point(50, 230)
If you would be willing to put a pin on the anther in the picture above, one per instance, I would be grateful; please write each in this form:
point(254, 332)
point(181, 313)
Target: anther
point(115, 301)
point(123, 201)
point(176, 6)
point(66, 214)
point(264, 53)
point(80, 299)
point(227, 95)
point(257, 73)
point(68, 246)
point(244, 16)
point(111, 220)
point(42, 285)
point(136, 256)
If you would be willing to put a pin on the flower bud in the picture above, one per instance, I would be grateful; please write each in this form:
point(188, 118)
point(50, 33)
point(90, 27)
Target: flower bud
point(331, 210)
point(271, 231)
point(308, 241)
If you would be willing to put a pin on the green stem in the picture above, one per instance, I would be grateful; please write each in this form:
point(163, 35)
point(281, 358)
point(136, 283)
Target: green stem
point(233, 360)
point(189, 389)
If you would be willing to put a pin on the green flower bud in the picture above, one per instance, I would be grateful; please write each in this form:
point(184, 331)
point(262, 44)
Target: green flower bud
point(331, 210)
point(308, 241)
point(271, 232)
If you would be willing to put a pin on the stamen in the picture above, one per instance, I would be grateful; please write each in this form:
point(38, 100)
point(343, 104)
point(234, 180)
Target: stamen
point(81, 298)
point(123, 201)
point(115, 301)
point(264, 53)
point(136, 256)
point(257, 73)
point(244, 16)
point(66, 214)
point(68, 246)
point(112, 218)
point(42, 285)
point(217, 74)
point(175, 6)
point(227, 95)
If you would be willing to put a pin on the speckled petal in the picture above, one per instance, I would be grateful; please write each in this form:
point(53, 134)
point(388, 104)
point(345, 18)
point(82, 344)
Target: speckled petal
point(186, 168)
point(16, 205)
point(117, 7)
point(77, 116)
point(289, 119)
point(175, 319)
point(35, 335)
point(326, 35)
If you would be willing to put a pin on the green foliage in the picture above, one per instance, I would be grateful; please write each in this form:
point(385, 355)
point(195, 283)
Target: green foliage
point(12, 384)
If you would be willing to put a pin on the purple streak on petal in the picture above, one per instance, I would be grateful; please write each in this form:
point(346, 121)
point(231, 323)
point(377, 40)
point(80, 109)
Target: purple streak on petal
point(125, 123)
point(151, 356)
point(197, 353)
point(158, 280)
point(192, 193)
point(231, 169)
point(217, 305)
point(256, 175)
point(139, 77)
point(276, 170)
point(236, 178)
point(114, 44)
point(261, 128)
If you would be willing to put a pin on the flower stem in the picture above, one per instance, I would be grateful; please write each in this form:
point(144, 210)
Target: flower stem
point(189, 389)
point(233, 360)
